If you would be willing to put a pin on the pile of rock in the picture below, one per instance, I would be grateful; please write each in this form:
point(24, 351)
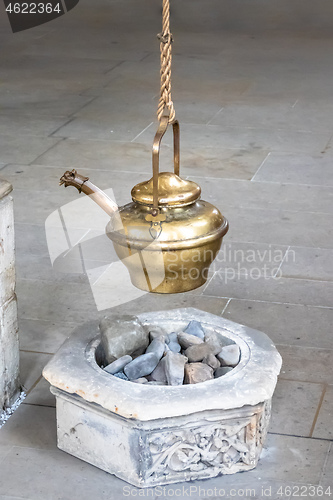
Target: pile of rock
point(190, 356)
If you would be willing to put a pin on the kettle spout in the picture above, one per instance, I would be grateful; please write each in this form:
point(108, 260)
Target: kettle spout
point(83, 185)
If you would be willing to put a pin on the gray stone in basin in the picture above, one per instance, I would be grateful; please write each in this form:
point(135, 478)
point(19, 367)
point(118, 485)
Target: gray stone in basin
point(195, 373)
point(157, 347)
point(186, 340)
point(194, 328)
point(120, 335)
point(172, 337)
point(174, 347)
point(141, 366)
point(121, 375)
point(157, 332)
point(223, 370)
point(118, 365)
point(198, 352)
point(174, 368)
point(212, 361)
point(217, 338)
point(229, 355)
point(141, 380)
point(158, 374)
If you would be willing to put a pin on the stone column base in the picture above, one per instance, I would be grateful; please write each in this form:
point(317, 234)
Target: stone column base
point(9, 347)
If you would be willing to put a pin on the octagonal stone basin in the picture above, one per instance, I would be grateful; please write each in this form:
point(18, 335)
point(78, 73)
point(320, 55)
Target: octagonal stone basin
point(151, 435)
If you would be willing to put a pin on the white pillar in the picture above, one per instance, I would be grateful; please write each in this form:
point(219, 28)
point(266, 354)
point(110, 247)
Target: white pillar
point(9, 345)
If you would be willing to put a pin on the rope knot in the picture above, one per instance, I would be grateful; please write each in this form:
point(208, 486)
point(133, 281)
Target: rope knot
point(165, 38)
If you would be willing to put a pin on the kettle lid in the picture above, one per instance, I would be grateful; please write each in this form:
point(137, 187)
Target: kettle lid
point(172, 191)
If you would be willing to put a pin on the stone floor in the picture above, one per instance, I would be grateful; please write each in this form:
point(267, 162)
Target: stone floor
point(253, 92)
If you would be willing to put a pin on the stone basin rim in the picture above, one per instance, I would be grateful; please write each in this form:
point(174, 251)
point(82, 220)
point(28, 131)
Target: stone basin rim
point(74, 370)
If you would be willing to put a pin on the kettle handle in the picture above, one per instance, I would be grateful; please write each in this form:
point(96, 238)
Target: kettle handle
point(162, 128)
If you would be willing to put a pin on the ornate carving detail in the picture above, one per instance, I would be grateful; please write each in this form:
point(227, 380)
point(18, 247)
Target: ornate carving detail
point(263, 423)
point(225, 445)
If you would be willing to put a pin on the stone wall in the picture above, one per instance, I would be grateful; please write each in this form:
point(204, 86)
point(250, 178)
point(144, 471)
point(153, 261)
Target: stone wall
point(9, 346)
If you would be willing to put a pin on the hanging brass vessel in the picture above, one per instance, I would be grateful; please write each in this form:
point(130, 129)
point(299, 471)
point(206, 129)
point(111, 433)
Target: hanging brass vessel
point(167, 237)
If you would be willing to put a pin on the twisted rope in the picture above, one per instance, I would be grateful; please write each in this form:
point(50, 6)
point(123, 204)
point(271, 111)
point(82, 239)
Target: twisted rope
point(165, 46)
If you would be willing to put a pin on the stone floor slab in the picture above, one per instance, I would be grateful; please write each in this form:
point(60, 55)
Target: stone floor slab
point(224, 487)
point(220, 162)
point(289, 395)
point(306, 364)
point(4, 450)
point(6, 497)
point(266, 195)
point(243, 138)
point(266, 113)
point(126, 98)
point(303, 116)
point(245, 257)
point(30, 239)
point(308, 263)
point(30, 427)
point(112, 128)
point(327, 476)
point(29, 124)
point(323, 428)
point(35, 267)
point(51, 67)
point(231, 487)
point(296, 169)
point(31, 366)
point(49, 301)
point(97, 46)
point(113, 156)
point(23, 149)
point(293, 459)
point(46, 103)
point(55, 475)
point(33, 241)
point(43, 336)
point(158, 302)
point(93, 250)
point(279, 227)
point(68, 80)
point(328, 151)
point(40, 395)
point(289, 324)
point(260, 285)
point(93, 154)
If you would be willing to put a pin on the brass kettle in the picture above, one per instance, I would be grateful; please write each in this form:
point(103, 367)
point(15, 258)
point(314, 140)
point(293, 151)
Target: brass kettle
point(167, 237)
